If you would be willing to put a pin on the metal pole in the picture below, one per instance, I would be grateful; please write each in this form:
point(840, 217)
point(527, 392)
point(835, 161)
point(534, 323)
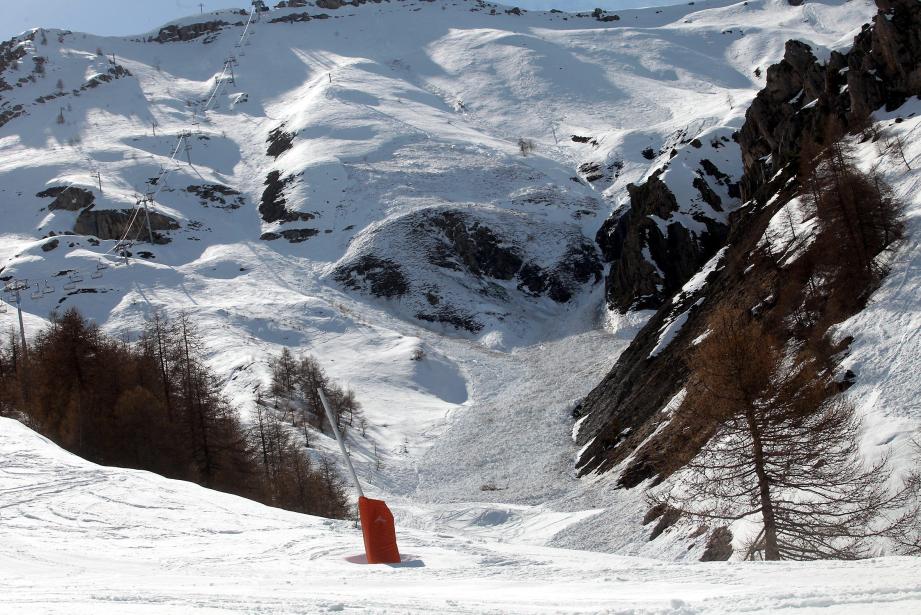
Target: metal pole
point(22, 329)
point(147, 215)
point(332, 423)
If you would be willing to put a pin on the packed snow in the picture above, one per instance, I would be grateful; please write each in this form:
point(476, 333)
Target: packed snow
point(80, 538)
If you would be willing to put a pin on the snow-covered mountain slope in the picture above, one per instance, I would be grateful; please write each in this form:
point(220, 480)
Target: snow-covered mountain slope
point(79, 538)
point(359, 192)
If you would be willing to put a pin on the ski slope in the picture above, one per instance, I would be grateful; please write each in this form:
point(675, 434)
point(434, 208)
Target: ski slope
point(79, 538)
point(400, 110)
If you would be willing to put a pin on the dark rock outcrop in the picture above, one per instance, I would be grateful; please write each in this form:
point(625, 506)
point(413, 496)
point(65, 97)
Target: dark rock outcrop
point(466, 267)
point(474, 247)
point(648, 266)
point(217, 196)
point(112, 224)
point(174, 33)
point(10, 112)
point(11, 53)
point(378, 276)
point(293, 18)
point(706, 193)
point(804, 100)
point(719, 546)
point(68, 198)
point(273, 208)
point(279, 141)
point(293, 235)
point(449, 316)
point(115, 71)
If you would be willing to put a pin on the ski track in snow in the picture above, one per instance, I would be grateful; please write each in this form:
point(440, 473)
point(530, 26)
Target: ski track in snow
point(473, 440)
point(105, 540)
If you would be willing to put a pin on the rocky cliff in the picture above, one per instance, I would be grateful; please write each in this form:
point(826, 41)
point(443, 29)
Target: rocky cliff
point(660, 239)
point(633, 419)
point(805, 100)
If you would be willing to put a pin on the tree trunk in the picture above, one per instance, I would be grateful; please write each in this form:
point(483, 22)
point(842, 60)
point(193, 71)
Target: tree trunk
point(771, 551)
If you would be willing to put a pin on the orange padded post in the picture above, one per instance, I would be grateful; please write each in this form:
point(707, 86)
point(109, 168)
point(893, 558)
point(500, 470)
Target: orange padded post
point(377, 526)
point(379, 532)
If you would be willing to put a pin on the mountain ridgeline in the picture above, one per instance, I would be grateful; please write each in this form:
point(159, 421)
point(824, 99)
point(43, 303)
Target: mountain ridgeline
point(641, 418)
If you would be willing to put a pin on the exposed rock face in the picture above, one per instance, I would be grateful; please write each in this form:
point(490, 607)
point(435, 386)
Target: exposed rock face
point(463, 267)
point(649, 265)
point(330, 4)
point(273, 208)
point(719, 545)
point(380, 277)
point(106, 223)
point(174, 33)
point(68, 198)
point(112, 224)
point(10, 112)
point(804, 100)
point(294, 18)
point(218, 196)
point(280, 141)
point(293, 235)
point(623, 415)
point(11, 53)
point(474, 247)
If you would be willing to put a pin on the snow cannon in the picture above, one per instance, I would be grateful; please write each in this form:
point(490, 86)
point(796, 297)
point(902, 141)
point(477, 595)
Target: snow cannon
point(377, 526)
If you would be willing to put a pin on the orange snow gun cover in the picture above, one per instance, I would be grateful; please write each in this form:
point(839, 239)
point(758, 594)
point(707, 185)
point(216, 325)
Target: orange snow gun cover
point(379, 531)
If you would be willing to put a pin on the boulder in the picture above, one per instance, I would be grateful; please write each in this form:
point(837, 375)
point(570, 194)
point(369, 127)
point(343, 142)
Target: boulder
point(112, 224)
point(174, 33)
point(68, 198)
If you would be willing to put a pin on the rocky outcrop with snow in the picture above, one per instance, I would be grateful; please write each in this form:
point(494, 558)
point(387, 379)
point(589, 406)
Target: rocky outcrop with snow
point(805, 99)
point(629, 421)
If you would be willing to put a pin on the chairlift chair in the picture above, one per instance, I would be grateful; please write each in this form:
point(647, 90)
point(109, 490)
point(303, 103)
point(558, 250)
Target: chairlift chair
point(47, 289)
point(37, 293)
point(76, 278)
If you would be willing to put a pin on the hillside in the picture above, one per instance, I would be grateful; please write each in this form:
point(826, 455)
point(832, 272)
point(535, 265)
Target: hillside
point(469, 215)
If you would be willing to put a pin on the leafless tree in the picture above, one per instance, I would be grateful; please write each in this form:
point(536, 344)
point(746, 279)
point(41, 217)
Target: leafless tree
point(783, 453)
point(526, 146)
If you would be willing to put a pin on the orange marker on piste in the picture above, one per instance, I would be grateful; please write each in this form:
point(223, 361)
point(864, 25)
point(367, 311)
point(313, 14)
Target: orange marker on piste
point(377, 526)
